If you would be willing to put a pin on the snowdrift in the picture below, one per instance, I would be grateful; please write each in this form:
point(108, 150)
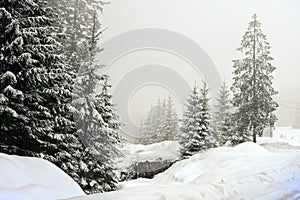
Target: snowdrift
point(247, 171)
point(24, 178)
point(166, 150)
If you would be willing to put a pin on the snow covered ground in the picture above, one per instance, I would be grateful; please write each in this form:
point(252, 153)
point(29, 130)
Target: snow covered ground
point(166, 150)
point(247, 171)
point(24, 178)
point(267, 170)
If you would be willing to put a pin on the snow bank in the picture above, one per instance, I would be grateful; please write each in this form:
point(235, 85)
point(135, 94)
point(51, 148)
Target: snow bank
point(284, 138)
point(287, 134)
point(247, 171)
point(24, 178)
point(166, 150)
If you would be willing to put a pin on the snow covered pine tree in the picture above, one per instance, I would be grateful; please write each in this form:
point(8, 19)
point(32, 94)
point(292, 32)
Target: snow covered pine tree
point(252, 87)
point(105, 106)
point(195, 129)
point(160, 124)
point(97, 131)
point(222, 116)
point(75, 25)
point(171, 127)
point(35, 85)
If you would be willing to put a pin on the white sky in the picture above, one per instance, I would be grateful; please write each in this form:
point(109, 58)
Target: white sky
point(217, 26)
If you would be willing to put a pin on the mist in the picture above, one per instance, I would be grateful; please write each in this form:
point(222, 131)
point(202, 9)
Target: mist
point(218, 27)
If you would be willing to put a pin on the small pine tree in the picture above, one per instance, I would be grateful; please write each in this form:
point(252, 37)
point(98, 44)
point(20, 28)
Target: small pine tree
point(252, 88)
point(160, 124)
point(106, 107)
point(170, 128)
point(195, 129)
point(222, 116)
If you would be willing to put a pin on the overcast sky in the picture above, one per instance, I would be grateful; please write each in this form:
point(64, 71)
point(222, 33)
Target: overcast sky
point(218, 26)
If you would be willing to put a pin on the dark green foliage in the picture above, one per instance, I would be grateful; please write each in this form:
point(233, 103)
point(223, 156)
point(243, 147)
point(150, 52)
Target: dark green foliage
point(35, 82)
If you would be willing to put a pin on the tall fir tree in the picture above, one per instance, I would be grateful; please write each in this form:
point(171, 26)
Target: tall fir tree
point(75, 25)
point(97, 131)
point(252, 88)
point(35, 85)
point(195, 129)
point(222, 116)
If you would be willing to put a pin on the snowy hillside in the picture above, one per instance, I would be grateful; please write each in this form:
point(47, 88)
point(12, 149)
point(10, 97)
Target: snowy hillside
point(266, 171)
point(247, 171)
point(24, 178)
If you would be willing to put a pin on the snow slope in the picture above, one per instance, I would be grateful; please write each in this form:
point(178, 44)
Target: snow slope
point(265, 171)
point(247, 171)
point(24, 178)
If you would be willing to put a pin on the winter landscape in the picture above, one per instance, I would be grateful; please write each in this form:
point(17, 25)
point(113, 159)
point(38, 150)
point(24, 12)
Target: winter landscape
point(147, 114)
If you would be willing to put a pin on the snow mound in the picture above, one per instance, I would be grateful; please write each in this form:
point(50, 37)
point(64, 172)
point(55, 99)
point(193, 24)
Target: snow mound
point(166, 150)
point(25, 178)
point(250, 147)
point(247, 171)
point(284, 138)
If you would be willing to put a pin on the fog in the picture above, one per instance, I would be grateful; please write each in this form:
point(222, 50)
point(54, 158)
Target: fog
point(218, 26)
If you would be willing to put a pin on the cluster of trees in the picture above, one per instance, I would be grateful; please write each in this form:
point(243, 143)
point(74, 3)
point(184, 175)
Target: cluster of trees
point(47, 59)
point(196, 135)
point(247, 114)
point(50, 106)
point(161, 123)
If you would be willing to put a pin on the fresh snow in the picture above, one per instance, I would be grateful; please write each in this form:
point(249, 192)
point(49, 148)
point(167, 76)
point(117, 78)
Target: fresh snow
point(286, 135)
point(265, 171)
point(247, 171)
point(24, 178)
point(166, 150)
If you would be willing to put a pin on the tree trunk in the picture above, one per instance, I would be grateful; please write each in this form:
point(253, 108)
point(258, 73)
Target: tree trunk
point(254, 137)
point(254, 133)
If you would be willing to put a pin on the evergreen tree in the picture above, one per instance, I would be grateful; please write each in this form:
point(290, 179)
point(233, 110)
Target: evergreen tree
point(160, 124)
point(252, 87)
point(170, 128)
point(96, 131)
point(75, 25)
point(35, 85)
point(106, 107)
point(222, 116)
point(195, 129)
point(150, 130)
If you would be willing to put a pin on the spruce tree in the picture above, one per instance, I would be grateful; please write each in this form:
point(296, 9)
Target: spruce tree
point(195, 129)
point(105, 106)
point(160, 124)
point(35, 84)
point(222, 116)
point(75, 25)
point(252, 88)
point(170, 128)
point(97, 131)
point(151, 129)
